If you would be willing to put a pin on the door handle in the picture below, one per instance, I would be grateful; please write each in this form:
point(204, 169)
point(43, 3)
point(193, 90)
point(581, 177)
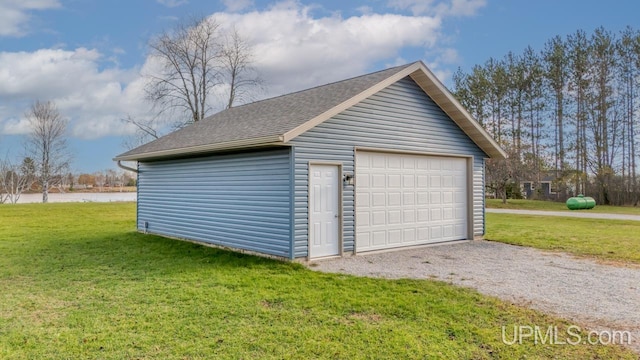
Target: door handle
point(335, 216)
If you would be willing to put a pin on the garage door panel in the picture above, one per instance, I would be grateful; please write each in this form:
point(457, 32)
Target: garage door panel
point(394, 181)
point(408, 181)
point(378, 162)
point(409, 200)
point(447, 230)
point(447, 214)
point(378, 181)
point(447, 181)
point(365, 219)
point(423, 234)
point(409, 216)
point(363, 200)
point(394, 199)
point(379, 238)
point(394, 162)
point(408, 163)
point(364, 238)
point(423, 215)
point(409, 235)
point(422, 197)
point(394, 217)
point(395, 236)
point(364, 181)
point(378, 199)
point(378, 218)
point(436, 232)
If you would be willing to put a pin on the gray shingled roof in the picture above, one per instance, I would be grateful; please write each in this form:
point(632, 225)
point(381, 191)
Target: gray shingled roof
point(262, 119)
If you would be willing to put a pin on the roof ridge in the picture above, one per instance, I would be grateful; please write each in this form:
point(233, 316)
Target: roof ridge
point(399, 67)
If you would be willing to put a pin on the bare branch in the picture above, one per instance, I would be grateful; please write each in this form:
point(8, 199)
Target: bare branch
point(188, 55)
point(242, 78)
point(197, 58)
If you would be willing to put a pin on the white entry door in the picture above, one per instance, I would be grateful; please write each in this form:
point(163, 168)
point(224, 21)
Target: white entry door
point(324, 205)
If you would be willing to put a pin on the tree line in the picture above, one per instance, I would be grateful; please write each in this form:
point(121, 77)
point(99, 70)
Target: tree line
point(567, 112)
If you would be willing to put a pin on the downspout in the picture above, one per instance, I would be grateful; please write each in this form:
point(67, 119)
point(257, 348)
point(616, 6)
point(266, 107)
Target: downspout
point(126, 167)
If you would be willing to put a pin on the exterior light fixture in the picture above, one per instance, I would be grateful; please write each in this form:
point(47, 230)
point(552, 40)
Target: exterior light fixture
point(348, 179)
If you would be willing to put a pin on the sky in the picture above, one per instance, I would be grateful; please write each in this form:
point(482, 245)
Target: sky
point(88, 56)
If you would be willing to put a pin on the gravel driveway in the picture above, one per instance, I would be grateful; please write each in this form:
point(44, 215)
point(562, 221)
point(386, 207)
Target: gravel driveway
point(602, 297)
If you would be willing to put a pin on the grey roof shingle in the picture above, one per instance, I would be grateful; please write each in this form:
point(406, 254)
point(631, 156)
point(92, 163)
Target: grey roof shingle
point(265, 118)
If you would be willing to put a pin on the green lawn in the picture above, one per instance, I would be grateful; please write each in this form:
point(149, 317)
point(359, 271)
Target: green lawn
point(615, 240)
point(78, 283)
point(557, 206)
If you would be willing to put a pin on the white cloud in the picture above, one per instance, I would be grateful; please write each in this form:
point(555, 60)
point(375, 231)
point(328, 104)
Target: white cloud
point(16, 14)
point(293, 50)
point(94, 99)
point(172, 3)
point(237, 5)
point(303, 51)
point(449, 56)
point(16, 126)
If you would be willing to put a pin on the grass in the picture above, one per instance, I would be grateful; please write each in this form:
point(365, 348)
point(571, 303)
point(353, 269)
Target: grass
point(557, 206)
point(612, 240)
point(78, 283)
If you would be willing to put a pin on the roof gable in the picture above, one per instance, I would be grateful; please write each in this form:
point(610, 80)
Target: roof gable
point(279, 120)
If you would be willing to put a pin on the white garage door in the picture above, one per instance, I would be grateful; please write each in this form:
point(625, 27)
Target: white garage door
point(404, 200)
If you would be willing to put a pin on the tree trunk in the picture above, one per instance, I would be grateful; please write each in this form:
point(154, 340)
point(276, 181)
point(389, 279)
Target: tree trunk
point(45, 192)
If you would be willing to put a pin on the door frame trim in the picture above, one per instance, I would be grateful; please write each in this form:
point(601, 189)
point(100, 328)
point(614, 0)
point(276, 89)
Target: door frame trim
point(340, 207)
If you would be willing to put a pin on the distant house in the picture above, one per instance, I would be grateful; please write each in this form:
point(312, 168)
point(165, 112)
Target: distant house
point(543, 189)
point(547, 188)
point(385, 160)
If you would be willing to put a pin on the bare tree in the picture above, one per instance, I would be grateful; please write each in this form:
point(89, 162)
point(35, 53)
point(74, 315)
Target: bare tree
point(198, 60)
point(100, 179)
point(189, 57)
point(236, 60)
point(47, 145)
point(14, 179)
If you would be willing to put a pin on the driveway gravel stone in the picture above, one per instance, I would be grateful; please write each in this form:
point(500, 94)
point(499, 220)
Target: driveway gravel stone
point(595, 295)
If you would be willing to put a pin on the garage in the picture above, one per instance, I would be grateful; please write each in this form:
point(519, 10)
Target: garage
point(385, 160)
point(409, 199)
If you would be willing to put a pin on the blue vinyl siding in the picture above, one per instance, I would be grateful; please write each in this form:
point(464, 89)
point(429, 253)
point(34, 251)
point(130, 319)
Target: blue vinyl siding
point(400, 117)
point(240, 200)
